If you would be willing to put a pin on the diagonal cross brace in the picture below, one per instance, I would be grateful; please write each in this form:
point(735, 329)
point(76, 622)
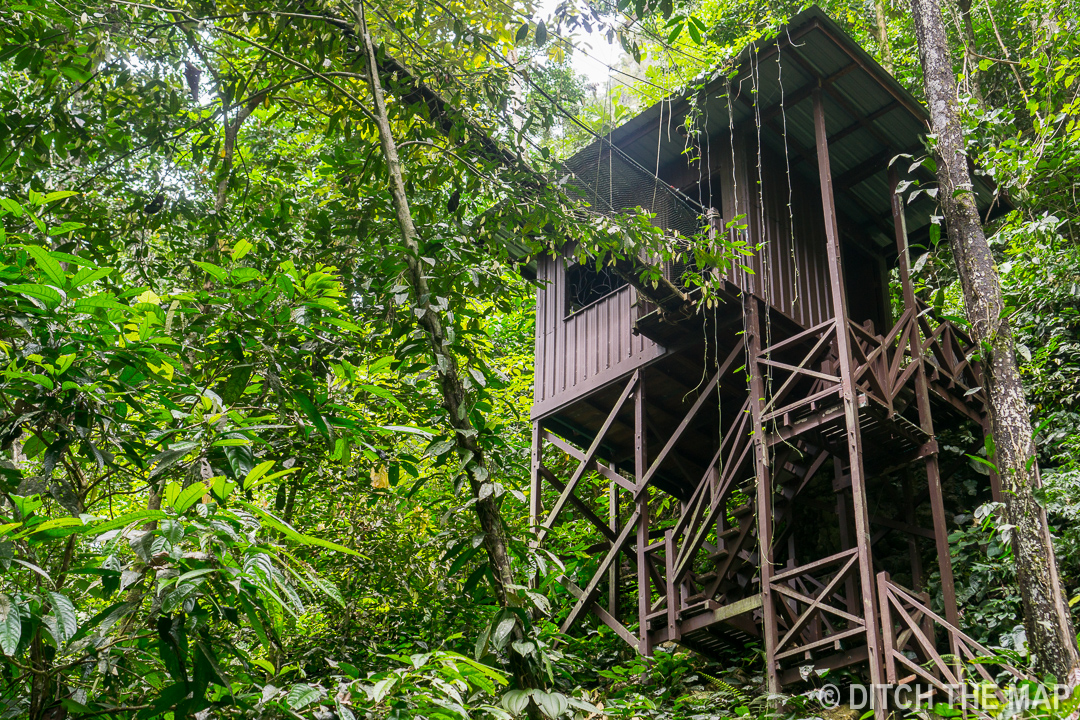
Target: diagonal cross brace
point(705, 395)
point(590, 455)
point(816, 603)
point(588, 596)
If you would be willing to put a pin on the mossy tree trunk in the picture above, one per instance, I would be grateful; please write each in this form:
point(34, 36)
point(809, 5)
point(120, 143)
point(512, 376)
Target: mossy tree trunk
point(1046, 612)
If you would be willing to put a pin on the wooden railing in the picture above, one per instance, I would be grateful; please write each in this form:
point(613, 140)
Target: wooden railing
point(812, 609)
point(910, 627)
point(884, 364)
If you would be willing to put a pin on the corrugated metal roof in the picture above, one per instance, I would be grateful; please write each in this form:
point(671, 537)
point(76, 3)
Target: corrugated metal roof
point(869, 116)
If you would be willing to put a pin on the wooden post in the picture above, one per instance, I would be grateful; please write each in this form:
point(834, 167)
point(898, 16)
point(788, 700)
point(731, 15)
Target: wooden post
point(752, 332)
point(641, 466)
point(913, 541)
point(535, 485)
point(842, 515)
point(922, 399)
point(672, 589)
point(613, 573)
point(888, 641)
point(851, 410)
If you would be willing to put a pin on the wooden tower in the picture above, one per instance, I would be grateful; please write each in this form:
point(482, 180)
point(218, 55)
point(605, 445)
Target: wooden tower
point(766, 464)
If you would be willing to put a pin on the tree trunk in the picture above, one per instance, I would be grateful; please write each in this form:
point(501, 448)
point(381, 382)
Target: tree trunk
point(971, 60)
point(883, 35)
point(452, 389)
point(1046, 613)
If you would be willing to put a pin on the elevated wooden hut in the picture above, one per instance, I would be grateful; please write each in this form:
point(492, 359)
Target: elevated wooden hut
point(794, 424)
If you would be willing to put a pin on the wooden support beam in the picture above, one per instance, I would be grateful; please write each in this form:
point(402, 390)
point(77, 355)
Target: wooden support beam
point(922, 398)
point(641, 511)
point(763, 475)
point(866, 169)
point(613, 573)
point(850, 401)
point(607, 472)
point(876, 115)
point(587, 597)
point(577, 502)
point(794, 98)
point(606, 617)
point(564, 496)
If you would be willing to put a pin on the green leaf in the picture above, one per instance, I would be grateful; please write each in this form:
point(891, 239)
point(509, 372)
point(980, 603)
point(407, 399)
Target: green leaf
point(257, 472)
point(330, 590)
point(10, 631)
point(64, 362)
point(218, 273)
point(189, 496)
point(64, 612)
point(88, 275)
point(242, 248)
point(383, 393)
point(552, 704)
point(58, 195)
point(12, 207)
point(99, 301)
point(541, 34)
point(265, 665)
point(461, 561)
point(75, 73)
point(515, 701)
point(66, 228)
point(312, 412)
point(167, 458)
point(522, 33)
point(245, 274)
point(127, 519)
point(56, 523)
point(47, 294)
point(289, 532)
point(694, 32)
point(48, 264)
point(192, 574)
point(503, 628)
point(301, 695)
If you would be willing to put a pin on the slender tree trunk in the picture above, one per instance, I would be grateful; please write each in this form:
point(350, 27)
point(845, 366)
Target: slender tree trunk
point(971, 61)
point(883, 35)
point(452, 389)
point(1046, 613)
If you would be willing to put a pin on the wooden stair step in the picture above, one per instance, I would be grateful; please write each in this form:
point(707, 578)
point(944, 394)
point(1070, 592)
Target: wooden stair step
point(747, 508)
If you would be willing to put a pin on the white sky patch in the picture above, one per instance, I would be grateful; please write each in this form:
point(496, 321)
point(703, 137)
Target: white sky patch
point(593, 54)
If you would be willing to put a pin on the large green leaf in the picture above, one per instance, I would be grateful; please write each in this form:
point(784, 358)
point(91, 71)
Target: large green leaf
point(189, 496)
point(48, 295)
point(88, 275)
point(289, 532)
point(126, 519)
point(48, 265)
point(553, 704)
point(10, 631)
point(64, 613)
point(301, 695)
point(312, 412)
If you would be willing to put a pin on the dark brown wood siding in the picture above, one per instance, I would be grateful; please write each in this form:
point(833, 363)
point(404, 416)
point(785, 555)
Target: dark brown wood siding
point(784, 228)
point(579, 353)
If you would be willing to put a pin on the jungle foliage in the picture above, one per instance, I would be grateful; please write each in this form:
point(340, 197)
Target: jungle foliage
point(231, 487)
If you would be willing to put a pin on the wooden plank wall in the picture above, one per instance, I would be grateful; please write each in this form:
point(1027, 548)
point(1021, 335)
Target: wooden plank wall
point(789, 264)
point(579, 353)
